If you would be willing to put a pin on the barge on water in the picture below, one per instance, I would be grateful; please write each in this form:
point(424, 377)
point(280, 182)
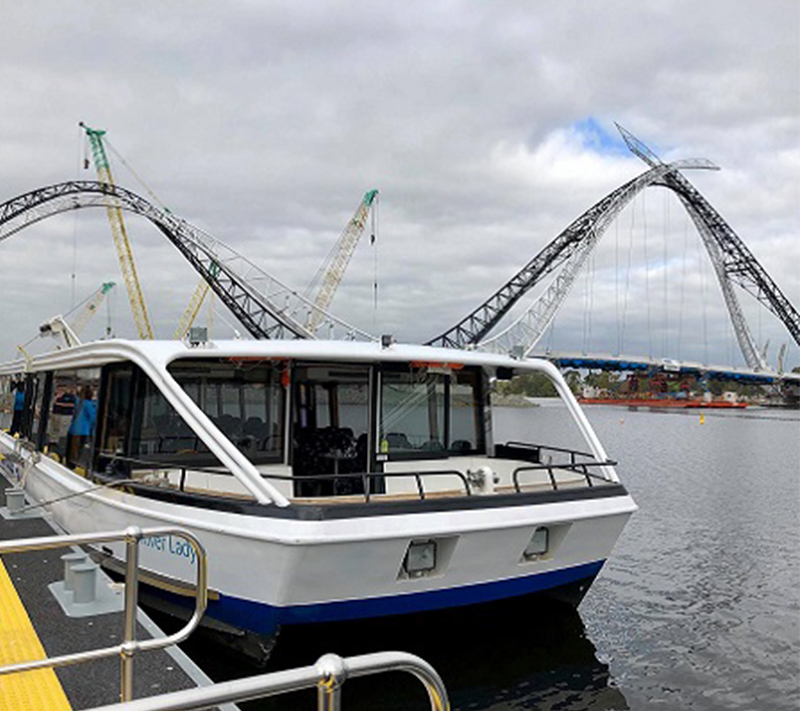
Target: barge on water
point(664, 402)
point(327, 480)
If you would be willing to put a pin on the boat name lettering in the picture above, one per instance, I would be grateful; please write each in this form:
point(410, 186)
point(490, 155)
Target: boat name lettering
point(173, 545)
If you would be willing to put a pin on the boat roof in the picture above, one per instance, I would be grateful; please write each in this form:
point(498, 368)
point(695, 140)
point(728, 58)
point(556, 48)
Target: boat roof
point(162, 353)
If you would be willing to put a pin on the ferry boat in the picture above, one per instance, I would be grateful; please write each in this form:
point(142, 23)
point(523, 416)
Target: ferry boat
point(327, 480)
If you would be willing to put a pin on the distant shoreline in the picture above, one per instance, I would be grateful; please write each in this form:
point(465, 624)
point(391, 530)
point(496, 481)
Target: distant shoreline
point(513, 401)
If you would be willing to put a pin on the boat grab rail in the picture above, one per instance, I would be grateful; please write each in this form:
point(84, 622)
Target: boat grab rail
point(112, 458)
point(580, 468)
point(572, 452)
point(364, 477)
point(328, 675)
point(129, 646)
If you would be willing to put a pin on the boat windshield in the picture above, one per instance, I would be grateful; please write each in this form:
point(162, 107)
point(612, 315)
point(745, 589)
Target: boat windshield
point(243, 397)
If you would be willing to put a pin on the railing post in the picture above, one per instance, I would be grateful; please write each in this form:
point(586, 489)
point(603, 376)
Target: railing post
point(132, 536)
point(332, 674)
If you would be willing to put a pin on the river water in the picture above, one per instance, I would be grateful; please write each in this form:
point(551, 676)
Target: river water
point(697, 608)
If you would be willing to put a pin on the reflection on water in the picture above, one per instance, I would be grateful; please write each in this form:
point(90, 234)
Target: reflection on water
point(524, 654)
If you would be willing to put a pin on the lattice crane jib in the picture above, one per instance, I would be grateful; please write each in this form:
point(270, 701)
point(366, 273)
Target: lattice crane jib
point(195, 302)
point(91, 307)
point(120, 235)
point(333, 268)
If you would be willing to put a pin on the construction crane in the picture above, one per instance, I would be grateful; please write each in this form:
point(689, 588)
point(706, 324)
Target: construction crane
point(332, 269)
point(70, 332)
point(326, 279)
point(91, 305)
point(190, 314)
point(120, 234)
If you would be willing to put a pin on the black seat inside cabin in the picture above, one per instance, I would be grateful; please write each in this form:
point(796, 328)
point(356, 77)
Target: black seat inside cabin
point(329, 450)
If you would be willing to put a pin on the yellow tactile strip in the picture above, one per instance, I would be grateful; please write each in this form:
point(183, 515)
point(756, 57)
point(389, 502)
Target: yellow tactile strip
point(37, 690)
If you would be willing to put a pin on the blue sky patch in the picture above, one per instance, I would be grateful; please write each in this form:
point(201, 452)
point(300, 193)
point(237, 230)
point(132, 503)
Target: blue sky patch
point(595, 137)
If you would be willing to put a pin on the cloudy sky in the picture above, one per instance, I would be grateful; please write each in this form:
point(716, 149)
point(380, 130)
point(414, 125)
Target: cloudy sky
point(487, 128)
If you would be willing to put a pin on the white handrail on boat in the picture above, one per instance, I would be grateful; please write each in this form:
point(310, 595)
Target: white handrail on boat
point(327, 675)
point(130, 645)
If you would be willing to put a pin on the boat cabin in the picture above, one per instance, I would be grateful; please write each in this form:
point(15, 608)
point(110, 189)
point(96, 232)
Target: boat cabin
point(288, 422)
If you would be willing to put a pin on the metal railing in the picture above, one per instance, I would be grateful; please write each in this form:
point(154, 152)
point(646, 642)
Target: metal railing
point(364, 479)
point(327, 675)
point(130, 646)
point(579, 467)
point(550, 467)
point(361, 483)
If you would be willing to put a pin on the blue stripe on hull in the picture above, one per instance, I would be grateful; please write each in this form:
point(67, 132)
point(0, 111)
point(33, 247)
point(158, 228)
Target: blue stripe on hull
point(266, 619)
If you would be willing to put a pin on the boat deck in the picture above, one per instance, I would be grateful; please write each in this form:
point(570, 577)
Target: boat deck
point(33, 624)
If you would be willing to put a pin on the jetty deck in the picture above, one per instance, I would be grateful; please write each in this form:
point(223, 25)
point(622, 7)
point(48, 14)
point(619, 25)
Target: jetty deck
point(33, 624)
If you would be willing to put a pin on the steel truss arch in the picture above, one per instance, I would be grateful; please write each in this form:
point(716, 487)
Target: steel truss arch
point(574, 243)
point(732, 260)
point(266, 307)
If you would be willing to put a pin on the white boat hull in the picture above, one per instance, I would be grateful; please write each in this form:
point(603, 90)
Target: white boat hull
point(271, 571)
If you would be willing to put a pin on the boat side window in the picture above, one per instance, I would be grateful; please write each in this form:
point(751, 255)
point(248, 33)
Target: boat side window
point(430, 412)
point(72, 416)
point(244, 398)
point(466, 435)
point(17, 401)
point(160, 433)
point(34, 402)
point(140, 427)
point(6, 401)
point(117, 410)
point(28, 394)
point(413, 412)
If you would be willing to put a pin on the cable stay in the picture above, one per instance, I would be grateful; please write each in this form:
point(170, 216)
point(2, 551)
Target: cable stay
point(571, 248)
point(325, 281)
point(120, 235)
point(264, 305)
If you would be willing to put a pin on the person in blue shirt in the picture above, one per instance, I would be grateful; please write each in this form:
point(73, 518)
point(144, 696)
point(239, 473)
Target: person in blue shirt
point(19, 408)
point(82, 427)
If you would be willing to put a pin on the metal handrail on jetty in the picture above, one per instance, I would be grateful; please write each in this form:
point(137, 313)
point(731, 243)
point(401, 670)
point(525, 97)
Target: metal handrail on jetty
point(130, 646)
point(327, 675)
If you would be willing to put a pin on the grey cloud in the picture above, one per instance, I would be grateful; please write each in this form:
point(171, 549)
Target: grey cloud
point(266, 123)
